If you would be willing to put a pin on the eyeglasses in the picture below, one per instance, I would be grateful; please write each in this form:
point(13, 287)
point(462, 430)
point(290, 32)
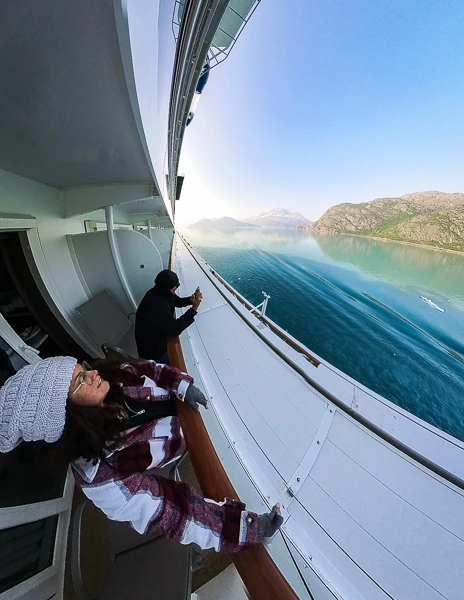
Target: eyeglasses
point(84, 376)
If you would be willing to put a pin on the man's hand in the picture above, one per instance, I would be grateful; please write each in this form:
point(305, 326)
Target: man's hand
point(196, 298)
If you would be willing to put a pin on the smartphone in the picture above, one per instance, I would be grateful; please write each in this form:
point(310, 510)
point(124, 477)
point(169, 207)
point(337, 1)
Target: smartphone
point(197, 290)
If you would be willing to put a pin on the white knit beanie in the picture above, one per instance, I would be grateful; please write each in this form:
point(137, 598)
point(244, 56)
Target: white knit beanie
point(33, 402)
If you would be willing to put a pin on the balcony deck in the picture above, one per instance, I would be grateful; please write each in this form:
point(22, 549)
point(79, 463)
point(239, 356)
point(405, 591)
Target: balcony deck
point(361, 515)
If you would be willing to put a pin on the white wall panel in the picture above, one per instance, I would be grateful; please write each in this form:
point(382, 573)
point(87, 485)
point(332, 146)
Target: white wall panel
point(49, 248)
point(137, 250)
point(400, 474)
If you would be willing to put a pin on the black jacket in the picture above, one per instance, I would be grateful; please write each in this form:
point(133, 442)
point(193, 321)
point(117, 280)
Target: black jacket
point(154, 320)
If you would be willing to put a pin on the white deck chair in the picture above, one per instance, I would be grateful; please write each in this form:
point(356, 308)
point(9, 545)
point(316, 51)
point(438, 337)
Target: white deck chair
point(144, 567)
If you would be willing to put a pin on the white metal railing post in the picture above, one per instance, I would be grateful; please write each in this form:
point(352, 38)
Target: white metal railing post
point(264, 306)
point(116, 256)
point(150, 235)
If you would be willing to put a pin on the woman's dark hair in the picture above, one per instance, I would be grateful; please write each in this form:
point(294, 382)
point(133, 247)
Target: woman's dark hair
point(4, 375)
point(91, 431)
point(110, 369)
point(6, 368)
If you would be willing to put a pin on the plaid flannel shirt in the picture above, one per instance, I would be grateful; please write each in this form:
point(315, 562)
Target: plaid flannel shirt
point(159, 381)
point(125, 489)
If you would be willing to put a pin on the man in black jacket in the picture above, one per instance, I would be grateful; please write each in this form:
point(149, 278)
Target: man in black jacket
point(155, 318)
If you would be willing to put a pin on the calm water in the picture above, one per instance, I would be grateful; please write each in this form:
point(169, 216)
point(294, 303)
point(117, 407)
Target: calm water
point(356, 302)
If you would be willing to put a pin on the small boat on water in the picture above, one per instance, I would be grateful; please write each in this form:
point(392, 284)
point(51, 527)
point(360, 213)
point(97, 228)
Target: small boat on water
point(432, 304)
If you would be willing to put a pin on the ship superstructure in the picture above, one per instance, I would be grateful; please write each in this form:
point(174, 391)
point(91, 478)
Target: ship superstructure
point(95, 100)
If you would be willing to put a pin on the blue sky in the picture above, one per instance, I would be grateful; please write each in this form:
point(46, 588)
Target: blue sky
point(322, 102)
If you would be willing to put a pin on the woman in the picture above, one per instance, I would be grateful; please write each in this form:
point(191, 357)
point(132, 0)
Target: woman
point(113, 431)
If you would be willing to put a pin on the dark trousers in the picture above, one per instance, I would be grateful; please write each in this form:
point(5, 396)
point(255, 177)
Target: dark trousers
point(163, 359)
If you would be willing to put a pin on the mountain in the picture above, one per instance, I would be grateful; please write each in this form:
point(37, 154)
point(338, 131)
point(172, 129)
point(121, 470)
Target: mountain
point(279, 217)
point(429, 218)
point(223, 223)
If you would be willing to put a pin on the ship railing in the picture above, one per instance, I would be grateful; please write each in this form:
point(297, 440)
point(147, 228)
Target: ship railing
point(270, 324)
point(229, 30)
point(350, 410)
point(259, 573)
point(230, 27)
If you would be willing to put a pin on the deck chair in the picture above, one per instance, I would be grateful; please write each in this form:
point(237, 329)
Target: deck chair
point(114, 354)
point(143, 568)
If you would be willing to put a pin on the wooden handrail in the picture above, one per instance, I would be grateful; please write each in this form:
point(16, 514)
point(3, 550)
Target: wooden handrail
point(259, 573)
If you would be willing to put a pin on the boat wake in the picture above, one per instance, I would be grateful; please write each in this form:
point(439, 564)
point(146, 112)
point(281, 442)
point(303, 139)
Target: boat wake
point(431, 303)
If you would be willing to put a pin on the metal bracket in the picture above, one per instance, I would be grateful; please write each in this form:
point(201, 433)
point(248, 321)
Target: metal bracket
point(304, 468)
point(355, 399)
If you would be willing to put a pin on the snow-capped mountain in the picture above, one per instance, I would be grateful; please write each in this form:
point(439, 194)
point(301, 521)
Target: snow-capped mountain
point(221, 223)
point(279, 217)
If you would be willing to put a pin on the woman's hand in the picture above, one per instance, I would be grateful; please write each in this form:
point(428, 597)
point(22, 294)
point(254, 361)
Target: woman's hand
point(269, 523)
point(195, 397)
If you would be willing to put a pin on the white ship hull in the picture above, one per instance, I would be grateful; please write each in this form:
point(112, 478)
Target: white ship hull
point(373, 497)
point(363, 483)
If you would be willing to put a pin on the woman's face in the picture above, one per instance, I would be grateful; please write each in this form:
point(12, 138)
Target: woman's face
point(88, 389)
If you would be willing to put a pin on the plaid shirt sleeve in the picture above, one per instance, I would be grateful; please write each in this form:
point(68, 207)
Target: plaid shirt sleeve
point(125, 490)
point(147, 502)
point(159, 378)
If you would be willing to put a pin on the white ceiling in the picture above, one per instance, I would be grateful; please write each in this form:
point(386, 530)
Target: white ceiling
point(65, 114)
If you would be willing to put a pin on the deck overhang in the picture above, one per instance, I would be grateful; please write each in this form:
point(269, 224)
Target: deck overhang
point(66, 114)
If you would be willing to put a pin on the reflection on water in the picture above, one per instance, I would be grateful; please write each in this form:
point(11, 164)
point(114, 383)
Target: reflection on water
point(396, 263)
point(259, 237)
point(357, 303)
point(399, 264)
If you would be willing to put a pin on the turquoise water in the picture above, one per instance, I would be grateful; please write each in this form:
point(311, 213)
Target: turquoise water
point(356, 302)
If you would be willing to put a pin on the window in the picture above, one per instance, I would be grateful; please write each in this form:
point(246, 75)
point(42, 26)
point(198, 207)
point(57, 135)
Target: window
point(25, 478)
point(26, 550)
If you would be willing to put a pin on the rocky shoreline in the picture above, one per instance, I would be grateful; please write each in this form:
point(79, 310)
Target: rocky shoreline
point(428, 219)
point(381, 239)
